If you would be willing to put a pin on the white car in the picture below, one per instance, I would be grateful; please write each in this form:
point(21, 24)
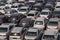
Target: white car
point(45, 13)
point(16, 33)
point(23, 10)
point(32, 34)
point(39, 23)
point(53, 24)
point(50, 35)
point(33, 14)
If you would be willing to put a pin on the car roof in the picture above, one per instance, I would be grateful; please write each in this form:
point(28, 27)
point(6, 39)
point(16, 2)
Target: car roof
point(25, 19)
point(45, 10)
point(32, 12)
point(16, 29)
point(32, 30)
point(24, 7)
point(54, 19)
point(40, 19)
point(50, 32)
point(38, 4)
point(5, 26)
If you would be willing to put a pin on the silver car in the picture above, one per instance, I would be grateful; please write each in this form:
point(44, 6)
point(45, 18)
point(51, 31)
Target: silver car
point(16, 33)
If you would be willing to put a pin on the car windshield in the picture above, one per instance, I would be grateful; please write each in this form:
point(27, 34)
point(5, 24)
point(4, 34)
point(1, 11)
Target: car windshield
point(30, 14)
point(53, 23)
point(48, 37)
point(15, 34)
point(3, 29)
point(44, 13)
point(13, 11)
point(39, 22)
point(31, 33)
point(22, 9)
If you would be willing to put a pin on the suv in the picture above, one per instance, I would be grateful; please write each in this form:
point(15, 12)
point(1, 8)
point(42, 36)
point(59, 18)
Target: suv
point(39, 23)
point(23, 10)
point(16, 33)
point(26, 22)
point(33, 34)
point(53, 23)
point(5, 31)
point(45, 13)
point(33, 14)
point(50, 35)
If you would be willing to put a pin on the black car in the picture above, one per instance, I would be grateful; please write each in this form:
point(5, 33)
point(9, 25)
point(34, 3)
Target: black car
point(26, 22)
point(49, 6)
point(15, 18)
point(38, 6)
point(3, 19)
point(55, 13)
point(30, 4)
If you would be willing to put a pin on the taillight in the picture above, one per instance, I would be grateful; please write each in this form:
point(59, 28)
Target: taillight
point(58, 16)
point(17, 20)
point(47, 28)
point(57, 28)
point(47, 16)
point(16, 0)
point(35, 39)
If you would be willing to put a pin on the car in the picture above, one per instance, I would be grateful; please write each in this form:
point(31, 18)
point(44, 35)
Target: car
point(33, 14)
point(33, 34)
point(38, 6)
point(55, 13)
point(53, 24)
point(8, 5)
point(2, 11)
point(49, 6)
point(30, 5)
point(39, 23)
point(5, 31)
point(16, 18)
point(9, 12)
point(23, 10)
point(50, 35)
point(16, 33)
point(3, 19)
point(57, 5)
point(45, 13)
point(26, 23)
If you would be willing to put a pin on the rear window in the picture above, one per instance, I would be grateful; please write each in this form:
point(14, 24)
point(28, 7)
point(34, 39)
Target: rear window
point(39, 22)
point(15, 34)
point(44, 13)
point(49, 37)
point(31, 34)
point(30, 14)
point(14, 7)
point(53, 23)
